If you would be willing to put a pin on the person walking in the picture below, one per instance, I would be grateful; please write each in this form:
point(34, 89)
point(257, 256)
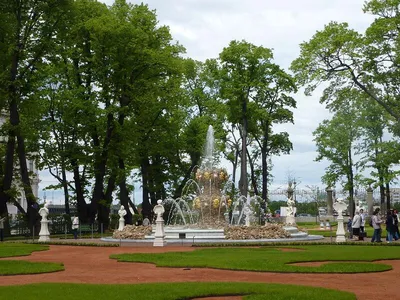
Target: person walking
point(349, 229)
point(396, 225)
point(355, 225)
point(362, 225)
point(75, 226)
point(390, 229)
point(376, 224)
point(2, 220)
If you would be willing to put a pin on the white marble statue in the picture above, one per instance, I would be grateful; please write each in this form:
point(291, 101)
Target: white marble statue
point(44, 234)
point(290, 219)
point(159, 236)
point(340, 206)
point(122, 214)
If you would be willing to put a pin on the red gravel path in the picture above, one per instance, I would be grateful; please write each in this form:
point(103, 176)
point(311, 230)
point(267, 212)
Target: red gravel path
point(92, 265)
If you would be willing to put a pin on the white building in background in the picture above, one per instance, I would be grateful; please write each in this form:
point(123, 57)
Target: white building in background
point(32, 169)
point(395, 195)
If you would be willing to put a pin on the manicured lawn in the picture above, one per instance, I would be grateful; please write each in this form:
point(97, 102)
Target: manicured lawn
point(328, 233)
point(15, 267)
point(168, 291)
point(18, 267)
point(14, 249)
point(344, 258)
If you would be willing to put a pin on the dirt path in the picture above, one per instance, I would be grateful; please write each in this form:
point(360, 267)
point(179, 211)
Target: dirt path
point(92, 265)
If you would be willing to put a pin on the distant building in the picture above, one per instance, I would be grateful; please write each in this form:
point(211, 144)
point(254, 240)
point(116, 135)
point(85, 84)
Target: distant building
point(59, 209)
point(395, 194)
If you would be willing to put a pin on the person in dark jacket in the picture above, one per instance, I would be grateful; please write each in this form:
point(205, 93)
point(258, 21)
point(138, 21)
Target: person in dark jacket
point(390, 228)
point(396, 225)
point(349, 228)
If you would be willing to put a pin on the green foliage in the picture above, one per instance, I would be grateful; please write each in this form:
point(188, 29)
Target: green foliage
point(171, 291)
point(273, 260)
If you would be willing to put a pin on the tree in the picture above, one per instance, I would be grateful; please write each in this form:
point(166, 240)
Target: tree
point(343, 57)
point(334, 140)
point(28, 35)
point(255, 92)
point(271, 105)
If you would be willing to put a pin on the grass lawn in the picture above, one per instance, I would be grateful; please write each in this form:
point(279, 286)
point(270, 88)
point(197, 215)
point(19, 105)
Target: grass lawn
point(343, 258)
point(14, 249)
point(16, 267)
point(168, 291)
point(327, 233)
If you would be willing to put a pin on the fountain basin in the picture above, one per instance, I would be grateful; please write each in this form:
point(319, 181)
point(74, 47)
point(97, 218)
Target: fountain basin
point(190, 233)
point(176, 234)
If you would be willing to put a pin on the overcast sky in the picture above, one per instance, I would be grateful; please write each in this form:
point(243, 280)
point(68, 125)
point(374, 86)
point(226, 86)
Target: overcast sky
point(205, 27)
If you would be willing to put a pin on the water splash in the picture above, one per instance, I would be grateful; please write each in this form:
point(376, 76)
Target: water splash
point(208, 159)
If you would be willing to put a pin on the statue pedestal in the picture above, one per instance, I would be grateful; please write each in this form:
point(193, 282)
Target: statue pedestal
point(159, 236)
point(121, 224)
point(290, 220)
point(340, 233)
point(44, 234)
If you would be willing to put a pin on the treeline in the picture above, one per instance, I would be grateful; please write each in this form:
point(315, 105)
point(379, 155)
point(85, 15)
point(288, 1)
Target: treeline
point(95, 93)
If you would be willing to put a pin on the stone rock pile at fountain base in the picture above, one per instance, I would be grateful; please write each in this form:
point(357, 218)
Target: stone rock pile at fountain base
point(132, 232)
point(269, 231)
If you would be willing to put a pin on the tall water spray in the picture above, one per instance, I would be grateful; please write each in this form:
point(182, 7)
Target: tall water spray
point(209, 149)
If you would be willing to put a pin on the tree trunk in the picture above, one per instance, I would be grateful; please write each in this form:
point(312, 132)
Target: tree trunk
point(32, 205)
point(65, 188)
point(123, 192)
point(82, 206)
point(351, 185)
point(388, 196)
point(243, 167)
point(252, 175)
point(264, 164)
point(146, 206)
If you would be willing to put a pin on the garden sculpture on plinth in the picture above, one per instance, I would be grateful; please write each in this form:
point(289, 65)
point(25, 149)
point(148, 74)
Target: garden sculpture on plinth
point(159, 236)
point(122, 214)
point(290, 219)
point(44, 234)
point(340, 206)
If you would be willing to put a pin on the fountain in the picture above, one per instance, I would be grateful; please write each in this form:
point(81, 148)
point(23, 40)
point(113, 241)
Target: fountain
point(210, 203)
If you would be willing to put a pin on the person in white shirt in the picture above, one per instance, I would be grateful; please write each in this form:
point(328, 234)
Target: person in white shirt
point(355, 225)
point(376, 223)
point(75, 227)
point(363, 217)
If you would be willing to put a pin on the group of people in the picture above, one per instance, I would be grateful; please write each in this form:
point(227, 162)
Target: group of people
point(356, 225)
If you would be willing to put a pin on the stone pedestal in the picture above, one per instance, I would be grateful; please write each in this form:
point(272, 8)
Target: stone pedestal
point(44, 234)
point(290, 220)
point(340, 233)
point(159, 235)
point(370, 201)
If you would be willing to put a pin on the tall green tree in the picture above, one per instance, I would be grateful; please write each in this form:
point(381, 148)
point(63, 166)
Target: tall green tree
point(335, 141)
point(27, 36)
point(343, 57)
